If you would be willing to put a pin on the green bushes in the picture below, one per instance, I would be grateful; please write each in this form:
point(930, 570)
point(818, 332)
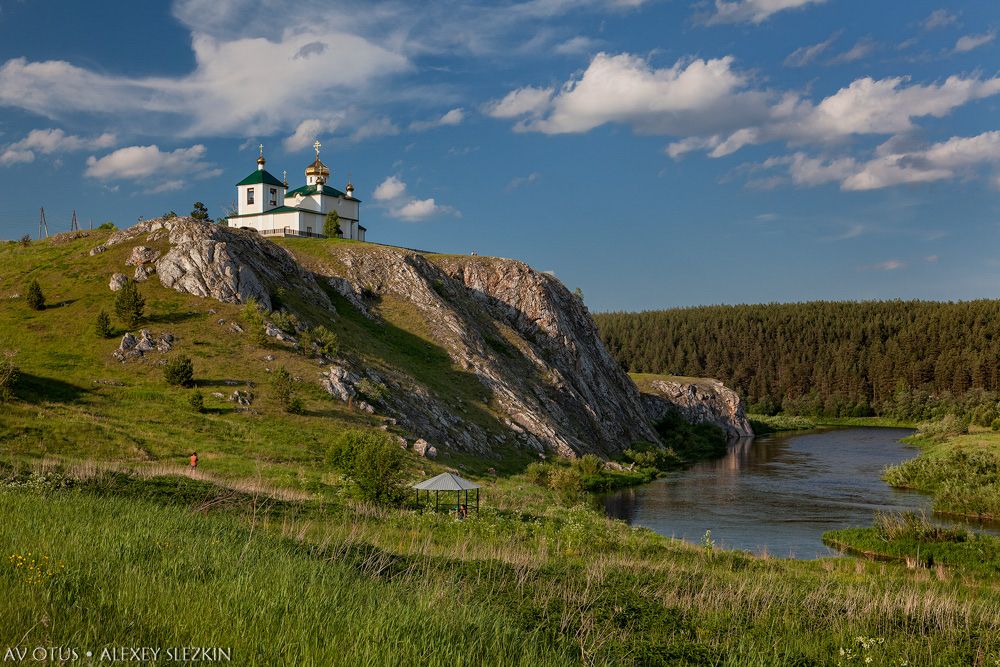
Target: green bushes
point(318, 341)
point(9, 373)
point(948, 426)
point(252, 316)
point(179, 372)
point(197, 401)
point(373, 462)
point(33, 296)
point(690, 442)
point(102, 325)
point(963, 481)
point(129, 304)
point(284, 389)
point(374, 391)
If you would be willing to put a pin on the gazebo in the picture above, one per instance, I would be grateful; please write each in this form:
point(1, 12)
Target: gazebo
point(447, 482)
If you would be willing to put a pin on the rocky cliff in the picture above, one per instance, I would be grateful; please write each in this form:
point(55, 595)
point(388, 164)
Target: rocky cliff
point(484, 353)
point(699, 401)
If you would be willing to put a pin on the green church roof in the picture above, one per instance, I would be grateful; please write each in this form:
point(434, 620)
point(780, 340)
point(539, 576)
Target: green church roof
point(279, 209)
point(261, 176)
point(311, 190)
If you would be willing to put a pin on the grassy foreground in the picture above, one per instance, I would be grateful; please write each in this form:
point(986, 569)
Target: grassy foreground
point(177, 562)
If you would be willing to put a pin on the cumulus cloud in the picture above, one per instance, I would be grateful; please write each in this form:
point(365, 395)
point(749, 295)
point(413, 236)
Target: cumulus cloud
point(392, 193)
point(888, 265)
point(805, 55)
point(308, 131)
point(710, 105)
point(970, 42)
point(49, 141)
point(164, 170)
point(892, 165)
point(753, 11)
point(376, 127)
point(391, 188)
point(453, 117)
point(577, 45)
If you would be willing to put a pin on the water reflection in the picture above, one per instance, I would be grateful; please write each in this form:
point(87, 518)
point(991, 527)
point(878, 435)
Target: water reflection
point(777, 493)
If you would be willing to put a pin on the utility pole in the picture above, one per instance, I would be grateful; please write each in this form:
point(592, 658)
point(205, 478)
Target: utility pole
point(42, 225)
point(74, 226)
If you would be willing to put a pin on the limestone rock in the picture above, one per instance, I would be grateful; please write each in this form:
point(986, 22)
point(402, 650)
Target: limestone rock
point(701, 402)
point(141, 255)
point(142, 273)
point(339, 382)
point(425, 449)
point(97, 250)
point(274, 332)
point(118, 281)
point(244, 398)
point(218, 394)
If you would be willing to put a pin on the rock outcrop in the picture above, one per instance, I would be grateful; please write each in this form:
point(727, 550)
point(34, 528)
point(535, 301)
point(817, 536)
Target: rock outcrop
point(699, 402)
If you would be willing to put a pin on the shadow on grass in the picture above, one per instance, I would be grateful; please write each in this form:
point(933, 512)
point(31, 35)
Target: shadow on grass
point(35, 388)
point(171, 318)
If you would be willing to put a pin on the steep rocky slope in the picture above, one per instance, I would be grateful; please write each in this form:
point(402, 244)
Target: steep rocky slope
point(698, 400)
point(545, 381)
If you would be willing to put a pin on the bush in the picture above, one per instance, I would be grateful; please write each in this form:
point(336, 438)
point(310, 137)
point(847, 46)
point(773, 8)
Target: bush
point(252, 316)
point(567, 483)
point(9, 372)
point(538, 473)
point(331, 226)
point(102, 325)
point(372, 390)
point(373, 462)
point(108, 226)
point(285, 321)
point(947, 426)
point(197, 401)
point(647, 455)
point(129, 304)
point(34, 297)
point(590, 464)
point(996, 424)
point(179, 371)
point(26, 240)
point(283, 387)
point(325, 340)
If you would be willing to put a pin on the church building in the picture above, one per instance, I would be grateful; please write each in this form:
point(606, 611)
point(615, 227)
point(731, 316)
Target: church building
point(264, 203)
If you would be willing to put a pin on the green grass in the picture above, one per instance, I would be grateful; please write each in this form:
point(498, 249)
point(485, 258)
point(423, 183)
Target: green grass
point(961, 472)
point(524, 582)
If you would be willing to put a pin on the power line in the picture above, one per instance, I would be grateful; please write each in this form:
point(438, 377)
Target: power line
point(42, 225)
point(74, 226)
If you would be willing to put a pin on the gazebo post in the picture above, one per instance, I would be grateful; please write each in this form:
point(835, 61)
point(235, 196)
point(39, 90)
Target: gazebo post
point(477, 501)
point(436, 500)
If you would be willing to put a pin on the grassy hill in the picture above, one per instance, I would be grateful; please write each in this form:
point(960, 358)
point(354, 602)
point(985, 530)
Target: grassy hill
point(105, 540)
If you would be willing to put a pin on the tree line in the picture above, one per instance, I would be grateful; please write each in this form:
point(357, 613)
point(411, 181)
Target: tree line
point(911, 359)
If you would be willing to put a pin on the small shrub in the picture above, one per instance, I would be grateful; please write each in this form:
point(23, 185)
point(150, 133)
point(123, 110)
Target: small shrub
point(590, 464)
point(108, 226)
point(995, 426)
point(102, 325)
point(325, 340)
point(26, 240)
point(197, 401)
point(538, 473)
point(179, 371)
point(295, 406)
point(34, 297)
point(911, 526)
point(9, 373)
point(372, 390)
point(252, 316)
point(283, 388)
point(129, 304)
point(948, 425)
point(374, 463)
point(285, 321)
point(567, 483)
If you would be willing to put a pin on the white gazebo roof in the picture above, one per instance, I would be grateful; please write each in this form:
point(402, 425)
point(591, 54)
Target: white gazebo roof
point(445, 482)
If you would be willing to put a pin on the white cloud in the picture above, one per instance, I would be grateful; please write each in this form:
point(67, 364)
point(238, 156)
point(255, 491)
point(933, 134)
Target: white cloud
point(376, 127)
point(892, 165)
point(888, 265)
point(392, 193)
point(308, 131)
point(939, 18)
point(709, 105)
point(391, 188)
point(577, 45)
point(453, 117)
point(164, 170)
point(862, 49)
point(527, 101)
point(805, 55)
point(970, 42)
point(416, 209)
point(753, 11)
point(49, 141)
point(520, 181)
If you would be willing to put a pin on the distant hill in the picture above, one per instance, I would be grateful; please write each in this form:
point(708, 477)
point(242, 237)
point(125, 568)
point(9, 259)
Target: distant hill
point(836, 359)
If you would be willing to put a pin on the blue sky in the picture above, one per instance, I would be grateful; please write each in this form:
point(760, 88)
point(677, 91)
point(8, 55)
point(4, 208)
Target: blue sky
point(654, 153)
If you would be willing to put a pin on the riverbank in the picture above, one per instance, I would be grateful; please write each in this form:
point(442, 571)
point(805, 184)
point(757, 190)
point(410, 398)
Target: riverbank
point(764, 424)
point(960, 471)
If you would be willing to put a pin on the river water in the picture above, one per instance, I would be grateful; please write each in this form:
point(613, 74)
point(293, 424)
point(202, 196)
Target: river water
point(777, 493)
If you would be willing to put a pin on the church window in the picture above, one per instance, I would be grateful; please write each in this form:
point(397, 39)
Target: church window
point(249, 195)
point(274, 197)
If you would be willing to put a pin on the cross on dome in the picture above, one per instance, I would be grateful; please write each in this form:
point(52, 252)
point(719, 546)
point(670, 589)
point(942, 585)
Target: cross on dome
point(317, 146)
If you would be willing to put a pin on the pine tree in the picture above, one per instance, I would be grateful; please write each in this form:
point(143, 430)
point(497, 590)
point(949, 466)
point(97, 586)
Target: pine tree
point(331, 227)
point(34, 296)
point(200, 211)
point(102, 325)
point(129, 304)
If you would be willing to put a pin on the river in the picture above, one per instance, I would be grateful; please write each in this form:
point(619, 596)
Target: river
point(777, 493)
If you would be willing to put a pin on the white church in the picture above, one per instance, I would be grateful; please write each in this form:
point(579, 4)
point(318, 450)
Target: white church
point(265, 204)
